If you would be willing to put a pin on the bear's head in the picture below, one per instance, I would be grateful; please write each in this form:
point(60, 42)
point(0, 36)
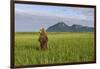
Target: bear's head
point(42, 31)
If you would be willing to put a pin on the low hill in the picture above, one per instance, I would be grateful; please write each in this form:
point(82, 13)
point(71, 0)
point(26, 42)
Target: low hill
point(62, 27)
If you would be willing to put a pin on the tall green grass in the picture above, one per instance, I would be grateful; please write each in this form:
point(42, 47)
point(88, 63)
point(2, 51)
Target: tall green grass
point(63, 47)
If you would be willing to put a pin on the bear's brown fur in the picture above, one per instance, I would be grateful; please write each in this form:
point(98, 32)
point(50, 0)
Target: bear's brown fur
point(43, 39)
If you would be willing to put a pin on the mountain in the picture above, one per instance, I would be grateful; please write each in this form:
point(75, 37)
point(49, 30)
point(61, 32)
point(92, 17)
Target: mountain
point(62, 27)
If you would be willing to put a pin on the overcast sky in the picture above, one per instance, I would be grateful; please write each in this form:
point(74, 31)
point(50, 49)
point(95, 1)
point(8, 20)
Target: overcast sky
point(30, 18)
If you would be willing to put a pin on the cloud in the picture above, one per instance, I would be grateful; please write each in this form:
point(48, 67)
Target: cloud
point(26, 15)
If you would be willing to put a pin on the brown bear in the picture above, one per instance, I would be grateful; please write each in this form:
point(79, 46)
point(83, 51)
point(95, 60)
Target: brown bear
point(43, 39)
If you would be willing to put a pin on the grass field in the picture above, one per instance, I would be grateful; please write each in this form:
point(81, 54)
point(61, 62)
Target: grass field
point(65, 47)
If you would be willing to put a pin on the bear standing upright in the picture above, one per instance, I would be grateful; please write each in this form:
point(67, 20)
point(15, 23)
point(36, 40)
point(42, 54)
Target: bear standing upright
point(43, 39)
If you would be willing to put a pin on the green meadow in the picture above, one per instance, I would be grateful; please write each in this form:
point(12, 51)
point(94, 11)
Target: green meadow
point(63, 47)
